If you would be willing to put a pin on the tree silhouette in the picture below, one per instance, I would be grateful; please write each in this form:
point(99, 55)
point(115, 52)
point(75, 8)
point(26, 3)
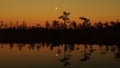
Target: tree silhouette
point(1, 24)
point(16, 26)
point(64, 17)
point(23, 25)
point(106, 25)
point(99, 25)
point(55, 24)
point(11, 25)
point(73, 25)
point(86, 22)
point(38, 25)
point(47, 25)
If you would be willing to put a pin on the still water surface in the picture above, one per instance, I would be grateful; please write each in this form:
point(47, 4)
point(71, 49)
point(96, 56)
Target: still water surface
point(40, 55)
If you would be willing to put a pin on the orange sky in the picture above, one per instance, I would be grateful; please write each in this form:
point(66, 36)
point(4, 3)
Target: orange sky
point(39, 11)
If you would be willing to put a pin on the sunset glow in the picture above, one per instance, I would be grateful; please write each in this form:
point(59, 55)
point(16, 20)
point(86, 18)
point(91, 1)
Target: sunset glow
point(40, 11)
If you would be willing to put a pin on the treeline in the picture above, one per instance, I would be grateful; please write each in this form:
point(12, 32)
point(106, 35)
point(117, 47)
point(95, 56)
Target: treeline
point(66, 31)
point(70, 25)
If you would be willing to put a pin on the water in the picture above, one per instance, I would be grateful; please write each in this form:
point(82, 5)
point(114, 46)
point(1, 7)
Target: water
point(41, 55)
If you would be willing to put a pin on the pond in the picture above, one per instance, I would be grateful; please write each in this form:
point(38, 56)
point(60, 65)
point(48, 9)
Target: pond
point(44, 55)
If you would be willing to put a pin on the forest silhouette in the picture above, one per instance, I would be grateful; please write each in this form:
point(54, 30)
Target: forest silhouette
point(62, 32)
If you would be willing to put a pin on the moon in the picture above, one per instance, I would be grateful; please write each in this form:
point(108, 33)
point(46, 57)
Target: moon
point(56, 8)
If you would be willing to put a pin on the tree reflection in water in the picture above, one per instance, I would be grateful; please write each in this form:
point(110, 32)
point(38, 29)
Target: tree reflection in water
point(87, 53)
point(67, 50)
point(117, 53)
point(66, 56)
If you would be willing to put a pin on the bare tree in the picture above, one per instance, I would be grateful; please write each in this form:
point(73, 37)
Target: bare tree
point(86, 21)
point(64, 17)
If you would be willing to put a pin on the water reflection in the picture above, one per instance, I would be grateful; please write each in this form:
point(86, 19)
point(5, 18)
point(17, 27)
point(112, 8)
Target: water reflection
point(67, 53)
